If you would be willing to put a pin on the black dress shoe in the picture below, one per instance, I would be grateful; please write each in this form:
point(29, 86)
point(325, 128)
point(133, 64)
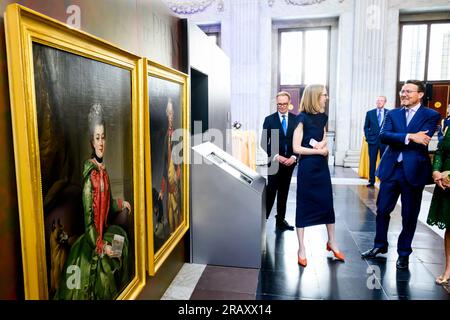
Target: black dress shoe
point(402, 262)
point(370, 185)
point(372, 253)
point(283, 225)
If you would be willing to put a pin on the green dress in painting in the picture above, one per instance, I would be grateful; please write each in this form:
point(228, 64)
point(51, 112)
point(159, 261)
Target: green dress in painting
point(89, 273)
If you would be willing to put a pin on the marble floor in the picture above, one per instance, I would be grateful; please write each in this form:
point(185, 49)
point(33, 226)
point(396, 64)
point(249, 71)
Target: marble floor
point(281, 278)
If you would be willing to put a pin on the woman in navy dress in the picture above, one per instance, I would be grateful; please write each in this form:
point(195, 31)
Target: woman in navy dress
point(314, 193)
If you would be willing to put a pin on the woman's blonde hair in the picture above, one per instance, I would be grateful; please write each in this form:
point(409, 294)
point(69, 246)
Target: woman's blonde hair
point(310, 99)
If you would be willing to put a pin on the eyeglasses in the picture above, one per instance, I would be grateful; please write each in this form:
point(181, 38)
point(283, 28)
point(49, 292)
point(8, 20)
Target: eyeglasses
point(282, 104)
point(407, 91)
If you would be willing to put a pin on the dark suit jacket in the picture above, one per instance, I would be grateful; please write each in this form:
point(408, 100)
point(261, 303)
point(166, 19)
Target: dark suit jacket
point(416, 162)
point(273, 122)
point(371, 127)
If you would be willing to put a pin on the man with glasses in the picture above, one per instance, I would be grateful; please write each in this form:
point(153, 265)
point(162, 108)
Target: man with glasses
point(404, 169)
point(372, 126)
point(282, 123)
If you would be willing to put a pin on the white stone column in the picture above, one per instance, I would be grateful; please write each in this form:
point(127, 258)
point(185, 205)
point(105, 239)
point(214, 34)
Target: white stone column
point(391, 55)
point(244, 52)
point(368, 68)
point(264, 83)
point(343, 91)
point(248, 26)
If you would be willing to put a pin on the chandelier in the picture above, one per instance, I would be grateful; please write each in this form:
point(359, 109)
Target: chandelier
point(303, 2)
point(190, 7)
point(270, 3)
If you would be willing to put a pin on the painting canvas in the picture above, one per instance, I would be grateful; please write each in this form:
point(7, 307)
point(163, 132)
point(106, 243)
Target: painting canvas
point(168, 154)
point(69, 163)
point(85, 215)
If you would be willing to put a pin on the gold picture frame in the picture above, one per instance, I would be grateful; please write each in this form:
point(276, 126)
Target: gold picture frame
point(167, 163)
point(44, 57)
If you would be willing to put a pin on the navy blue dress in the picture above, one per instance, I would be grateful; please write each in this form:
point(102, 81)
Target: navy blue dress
point(314, 193)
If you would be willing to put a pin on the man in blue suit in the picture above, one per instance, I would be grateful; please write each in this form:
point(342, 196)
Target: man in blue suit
point(404, 169)
point(372, 126)
point(279, 182)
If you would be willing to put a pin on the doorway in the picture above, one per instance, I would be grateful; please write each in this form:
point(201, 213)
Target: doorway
point(199, 101)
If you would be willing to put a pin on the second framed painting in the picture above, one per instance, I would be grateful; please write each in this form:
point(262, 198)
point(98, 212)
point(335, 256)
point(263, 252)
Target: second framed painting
point(166, 160)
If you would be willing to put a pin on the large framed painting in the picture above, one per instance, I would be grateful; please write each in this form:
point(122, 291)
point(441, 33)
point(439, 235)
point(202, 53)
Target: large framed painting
point(167, 158)
point(76, 104)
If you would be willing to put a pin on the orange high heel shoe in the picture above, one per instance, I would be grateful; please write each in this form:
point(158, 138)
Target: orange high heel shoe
point(337, 254)
point(302, 262)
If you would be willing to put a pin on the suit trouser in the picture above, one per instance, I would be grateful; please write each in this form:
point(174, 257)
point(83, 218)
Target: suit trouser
point(373, 152)
point(279, 183)
point(411, 197)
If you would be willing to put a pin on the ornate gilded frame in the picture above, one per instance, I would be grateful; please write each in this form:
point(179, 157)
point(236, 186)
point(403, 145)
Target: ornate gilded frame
point(23, 28)
point(152, 69)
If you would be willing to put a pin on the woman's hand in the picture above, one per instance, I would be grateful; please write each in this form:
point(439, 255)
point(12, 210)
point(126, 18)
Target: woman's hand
point(127, 205)
point(320, 145)
point(437, 177)
point(323, 151)
point(107, 249)
point(446, 179)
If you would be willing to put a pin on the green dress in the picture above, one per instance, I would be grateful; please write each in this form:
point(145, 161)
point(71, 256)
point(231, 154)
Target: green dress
point(88, 274)
point(440, 204)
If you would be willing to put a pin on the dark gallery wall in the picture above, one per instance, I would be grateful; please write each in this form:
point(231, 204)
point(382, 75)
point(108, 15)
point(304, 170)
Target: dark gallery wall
point(144, 27)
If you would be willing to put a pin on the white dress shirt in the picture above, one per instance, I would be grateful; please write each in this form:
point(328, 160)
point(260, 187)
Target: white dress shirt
point(280, 115)
point(413, 110)
point(411, 116)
